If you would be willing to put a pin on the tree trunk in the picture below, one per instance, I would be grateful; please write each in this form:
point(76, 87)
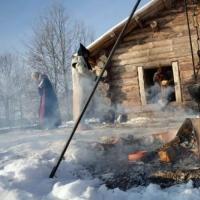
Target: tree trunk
point(7, 112)
point(68, 96)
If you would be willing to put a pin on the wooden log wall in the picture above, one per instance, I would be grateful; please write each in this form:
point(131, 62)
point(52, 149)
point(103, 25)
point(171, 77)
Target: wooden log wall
point(149, 49)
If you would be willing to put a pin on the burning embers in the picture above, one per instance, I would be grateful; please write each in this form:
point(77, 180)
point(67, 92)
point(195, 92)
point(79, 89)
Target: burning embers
point(166, 160)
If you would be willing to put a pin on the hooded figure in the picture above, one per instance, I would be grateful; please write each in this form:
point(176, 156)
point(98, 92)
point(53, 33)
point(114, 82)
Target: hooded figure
point(83, 80)
point(49, 114)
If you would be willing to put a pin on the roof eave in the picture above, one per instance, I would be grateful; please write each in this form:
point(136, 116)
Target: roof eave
point(109, 33)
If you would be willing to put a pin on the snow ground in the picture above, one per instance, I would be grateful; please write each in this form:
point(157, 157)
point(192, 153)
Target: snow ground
point(27, 157)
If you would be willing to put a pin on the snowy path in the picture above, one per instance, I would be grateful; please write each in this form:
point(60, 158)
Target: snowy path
point(27, 157)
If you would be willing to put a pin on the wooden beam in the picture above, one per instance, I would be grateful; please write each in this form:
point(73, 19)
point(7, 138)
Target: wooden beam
point(176, 74)
point(141, 85)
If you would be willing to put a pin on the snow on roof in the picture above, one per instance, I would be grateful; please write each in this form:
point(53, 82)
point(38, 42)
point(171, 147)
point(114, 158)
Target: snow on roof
point(143, 9)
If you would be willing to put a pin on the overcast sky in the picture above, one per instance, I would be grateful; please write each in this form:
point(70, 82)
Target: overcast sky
point(17, 17)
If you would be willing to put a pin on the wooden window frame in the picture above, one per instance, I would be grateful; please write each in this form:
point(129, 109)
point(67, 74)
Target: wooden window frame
point(177, 85)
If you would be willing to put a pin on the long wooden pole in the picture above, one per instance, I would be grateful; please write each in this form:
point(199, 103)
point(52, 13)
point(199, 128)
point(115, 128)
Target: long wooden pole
point(94, 89)
point(190, 39)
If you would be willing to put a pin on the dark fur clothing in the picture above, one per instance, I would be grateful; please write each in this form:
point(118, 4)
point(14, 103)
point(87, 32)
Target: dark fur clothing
point(49, 113)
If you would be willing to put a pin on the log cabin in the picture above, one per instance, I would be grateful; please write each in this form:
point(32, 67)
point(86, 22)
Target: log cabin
point(157, 38)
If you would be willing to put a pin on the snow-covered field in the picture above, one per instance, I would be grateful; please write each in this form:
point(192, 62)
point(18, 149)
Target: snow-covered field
point(27, 157)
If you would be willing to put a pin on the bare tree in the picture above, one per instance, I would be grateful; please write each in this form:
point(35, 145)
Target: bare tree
point(6, 72)
point(55, 39)
point(13, 84)
point(82, 34)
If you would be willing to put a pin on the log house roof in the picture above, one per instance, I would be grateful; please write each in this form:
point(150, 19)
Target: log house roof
point(145, 12)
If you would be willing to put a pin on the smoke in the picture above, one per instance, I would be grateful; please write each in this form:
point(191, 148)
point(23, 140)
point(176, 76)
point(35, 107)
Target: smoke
point(160, 95)
point(159, 100)
point(17, 105)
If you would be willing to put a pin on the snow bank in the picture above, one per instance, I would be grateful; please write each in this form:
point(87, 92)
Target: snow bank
point(27, 158)
point(83, 190)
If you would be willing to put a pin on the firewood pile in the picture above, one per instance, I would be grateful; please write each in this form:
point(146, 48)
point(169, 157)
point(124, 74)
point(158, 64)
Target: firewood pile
point(128, 162)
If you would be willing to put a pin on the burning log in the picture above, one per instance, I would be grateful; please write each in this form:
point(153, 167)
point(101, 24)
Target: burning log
point(186, 140)
point(155, 162)
point(169, 178)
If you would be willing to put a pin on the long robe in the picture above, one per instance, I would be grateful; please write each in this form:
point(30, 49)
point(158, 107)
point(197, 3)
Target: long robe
point(83, 82)
point(49, 114)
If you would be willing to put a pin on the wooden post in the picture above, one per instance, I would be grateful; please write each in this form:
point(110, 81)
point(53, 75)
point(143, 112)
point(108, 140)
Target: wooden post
point(176, 74)
point(141, 85)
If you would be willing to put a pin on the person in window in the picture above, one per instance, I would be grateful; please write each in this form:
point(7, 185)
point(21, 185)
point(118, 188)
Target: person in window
point(49, 114)
point(154, 93)
point(158, 76)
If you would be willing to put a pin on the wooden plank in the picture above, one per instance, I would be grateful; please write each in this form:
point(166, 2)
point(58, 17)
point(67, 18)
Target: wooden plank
point(131, 54)
point(133, 81)
point(155, 51)
point(123, 68)
point(175, 69)
point(136, 61)
point(119, 76)
point(128, 89)
point(141, 85)
point(131, 85)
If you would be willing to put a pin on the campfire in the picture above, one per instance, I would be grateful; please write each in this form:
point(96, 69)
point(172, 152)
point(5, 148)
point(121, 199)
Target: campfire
point(165, 159)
